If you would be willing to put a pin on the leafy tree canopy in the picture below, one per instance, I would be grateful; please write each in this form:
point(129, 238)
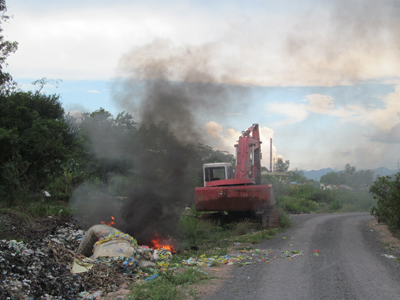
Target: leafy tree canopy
point(349, 176)
point(297, 176)
point(282, 166)
point(32, 137)
point(6, 48)
point(387, 191)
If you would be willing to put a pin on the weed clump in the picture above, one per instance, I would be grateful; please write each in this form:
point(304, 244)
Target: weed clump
point(170, 285)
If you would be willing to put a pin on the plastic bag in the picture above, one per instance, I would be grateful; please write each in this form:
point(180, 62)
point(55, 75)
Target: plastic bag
point(114, 247)
point(92, 236)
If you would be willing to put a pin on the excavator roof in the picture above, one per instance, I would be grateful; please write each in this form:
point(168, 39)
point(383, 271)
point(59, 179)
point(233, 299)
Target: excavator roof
point(210, 165)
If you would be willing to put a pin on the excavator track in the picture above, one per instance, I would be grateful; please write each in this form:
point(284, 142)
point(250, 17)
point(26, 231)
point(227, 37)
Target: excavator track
point(270, 218)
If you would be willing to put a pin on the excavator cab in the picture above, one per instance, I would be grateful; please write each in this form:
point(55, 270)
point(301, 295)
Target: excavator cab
point(217, 171)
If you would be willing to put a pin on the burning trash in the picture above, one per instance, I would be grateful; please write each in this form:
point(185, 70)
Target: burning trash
point(105, 244)
point(110, 223)
point(46, 265)
point(158, 243)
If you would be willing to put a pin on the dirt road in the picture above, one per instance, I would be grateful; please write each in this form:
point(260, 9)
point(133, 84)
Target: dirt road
point(349, 264)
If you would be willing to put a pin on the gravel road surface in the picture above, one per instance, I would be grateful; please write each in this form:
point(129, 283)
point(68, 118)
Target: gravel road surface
point(349, 264)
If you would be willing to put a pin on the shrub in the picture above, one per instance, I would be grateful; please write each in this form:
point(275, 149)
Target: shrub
point(320, 196)
point(297, 205)
point(284, 219)
point(387, 191)
point(194, 230)
point(243, 227)
point(335, 205)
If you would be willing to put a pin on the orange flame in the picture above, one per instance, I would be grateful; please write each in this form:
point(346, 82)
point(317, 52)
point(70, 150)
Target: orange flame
point(111, 223)
point(163, 244)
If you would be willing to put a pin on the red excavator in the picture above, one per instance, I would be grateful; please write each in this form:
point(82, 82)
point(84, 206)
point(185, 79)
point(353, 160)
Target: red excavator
point(240, 194)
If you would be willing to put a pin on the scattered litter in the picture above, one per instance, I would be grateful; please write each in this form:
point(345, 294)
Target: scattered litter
point(154, 276)
point(48, 266)
point(389, 256)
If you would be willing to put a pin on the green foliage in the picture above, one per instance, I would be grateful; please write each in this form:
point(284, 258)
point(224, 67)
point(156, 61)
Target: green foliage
point(6, 48)
point(298, 176)
point(284, 219)
point(256, 237)
point(282, 166)
point(386, 191)
point(165, 286)
point(308, 198)
point(242, 227)
point(195, 231)
point(33, 137)
point(354, 200)
point(349, 176)
point(27, 210)
point(302, 191)
point(322, 196)
point(299, 205)
point(335, 205)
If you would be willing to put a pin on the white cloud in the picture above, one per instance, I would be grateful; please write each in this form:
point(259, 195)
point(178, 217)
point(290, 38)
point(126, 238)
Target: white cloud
point(93, 91)
point(256, 46)
point(220, 138)
point(322, 104)
point(381, 118)
point(315, 103)
point(293, 112)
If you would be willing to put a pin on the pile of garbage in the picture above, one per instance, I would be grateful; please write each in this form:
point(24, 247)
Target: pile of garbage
point(58, 260)
point(38, 268)
point(54, 267)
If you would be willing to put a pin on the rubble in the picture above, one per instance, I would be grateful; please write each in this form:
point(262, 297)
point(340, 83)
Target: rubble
point(39, 267)
point(44, 263)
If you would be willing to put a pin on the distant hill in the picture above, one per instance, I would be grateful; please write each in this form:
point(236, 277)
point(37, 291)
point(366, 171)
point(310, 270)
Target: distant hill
point(316, 174)
point(384, 171)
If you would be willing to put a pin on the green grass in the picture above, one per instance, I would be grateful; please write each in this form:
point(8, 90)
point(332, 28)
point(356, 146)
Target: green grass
point(297, 205)
point(28, 210)
point(256, 237)
point(307, 199)
point(169, 285)
point(242, 227)
point(284, 220)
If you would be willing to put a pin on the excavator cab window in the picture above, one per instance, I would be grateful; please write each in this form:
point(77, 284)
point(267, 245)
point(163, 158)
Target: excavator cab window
point(217, 171)
point(229, 173)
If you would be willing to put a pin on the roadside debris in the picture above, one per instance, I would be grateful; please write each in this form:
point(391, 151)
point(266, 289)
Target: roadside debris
point(47, 261)
point(49, 268)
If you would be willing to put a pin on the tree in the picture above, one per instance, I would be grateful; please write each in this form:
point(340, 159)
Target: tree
point(297, 176)
point(349, 176)
point(104, 145)
point(6, 48)
point(387, 191)
point(33, 136)
point(331, 178)
point(282, 166)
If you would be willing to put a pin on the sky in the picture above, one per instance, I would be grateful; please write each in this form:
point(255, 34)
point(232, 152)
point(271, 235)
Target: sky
point(321, 78)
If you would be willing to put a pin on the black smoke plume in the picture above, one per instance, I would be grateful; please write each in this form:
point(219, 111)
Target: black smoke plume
point(172, 95)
